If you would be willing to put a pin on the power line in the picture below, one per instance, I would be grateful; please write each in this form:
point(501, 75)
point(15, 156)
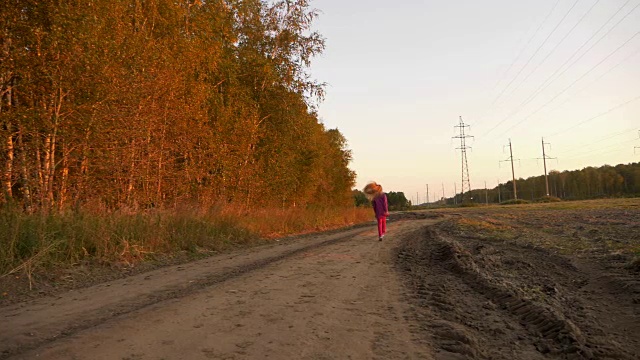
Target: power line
point(634, 53)
point(573, 83)
point(558, 44)
point(527, 63)
point(599, 115)
point(606, 137)
point(504, 74)
point(546, 83)
point(591, 152)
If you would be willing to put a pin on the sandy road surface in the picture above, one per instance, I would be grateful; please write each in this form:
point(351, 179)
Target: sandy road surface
point(323, 297)
point(432, 290)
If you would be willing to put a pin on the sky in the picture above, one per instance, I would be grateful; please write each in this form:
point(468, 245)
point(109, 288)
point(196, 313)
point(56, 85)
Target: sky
point(400, 74)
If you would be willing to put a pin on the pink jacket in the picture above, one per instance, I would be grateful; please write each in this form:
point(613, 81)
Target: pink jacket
point(380, 205)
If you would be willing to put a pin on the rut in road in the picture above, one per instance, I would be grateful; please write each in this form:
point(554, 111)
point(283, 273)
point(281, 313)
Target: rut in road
point(50, 319)
point(482, 299)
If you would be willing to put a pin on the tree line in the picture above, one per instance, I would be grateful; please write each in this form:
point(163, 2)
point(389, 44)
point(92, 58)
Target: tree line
point(149, 103)
point(622, 180)
point(395, 200)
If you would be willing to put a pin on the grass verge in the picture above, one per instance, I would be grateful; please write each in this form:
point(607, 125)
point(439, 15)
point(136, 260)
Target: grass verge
point(44, 240)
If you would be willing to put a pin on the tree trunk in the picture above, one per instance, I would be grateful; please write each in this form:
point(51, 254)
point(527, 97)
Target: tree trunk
point(132, 168)
point(84, 170)
point(52, 151)
point(5, 105)
point(24, 171)
point(52, 169)
point(46, 168)
point(8, 168)
point(39, 173)
point(160, 159)
point(64, 176)
point(244, 178)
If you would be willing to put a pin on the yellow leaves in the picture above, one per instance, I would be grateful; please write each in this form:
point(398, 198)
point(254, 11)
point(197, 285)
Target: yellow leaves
point(175, 101)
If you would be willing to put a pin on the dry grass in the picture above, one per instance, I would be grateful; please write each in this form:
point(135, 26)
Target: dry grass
point(483, 225)
point(603, 227)
point(31, 241)
point(273, 223)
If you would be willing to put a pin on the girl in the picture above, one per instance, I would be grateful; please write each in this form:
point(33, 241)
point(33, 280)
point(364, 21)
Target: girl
point(373, 191)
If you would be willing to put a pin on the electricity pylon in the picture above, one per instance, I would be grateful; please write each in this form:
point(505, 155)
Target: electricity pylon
point(466, 182)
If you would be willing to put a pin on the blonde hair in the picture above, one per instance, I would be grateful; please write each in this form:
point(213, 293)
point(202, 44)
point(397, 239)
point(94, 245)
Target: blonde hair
point(372, 190)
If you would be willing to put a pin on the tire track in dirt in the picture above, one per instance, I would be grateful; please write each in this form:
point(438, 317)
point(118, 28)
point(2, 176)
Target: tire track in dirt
point(476, 300)
point(30, 325)
point(338, 299)
point(81, 321)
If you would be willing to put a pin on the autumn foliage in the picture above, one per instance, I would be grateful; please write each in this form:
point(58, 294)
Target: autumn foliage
point(143, 104)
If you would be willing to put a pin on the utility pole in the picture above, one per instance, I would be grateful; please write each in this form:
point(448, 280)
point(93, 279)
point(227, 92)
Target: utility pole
point(636, 147)
point(544, 161)
point(455, 194)
point(443, 192)
point(466, 183)
point(513, 173)
point(486, 194)
point(417, 198)
point(499, 192)
point(427, 194)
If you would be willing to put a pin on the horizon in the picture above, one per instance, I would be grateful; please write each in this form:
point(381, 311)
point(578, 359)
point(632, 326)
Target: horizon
point(398, 80)
point(409, 197)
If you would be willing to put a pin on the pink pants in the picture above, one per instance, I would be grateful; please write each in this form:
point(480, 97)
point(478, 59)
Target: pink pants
point(382, 225)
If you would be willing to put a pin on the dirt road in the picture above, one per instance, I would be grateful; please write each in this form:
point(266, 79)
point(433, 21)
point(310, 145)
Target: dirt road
point(322, 297)
point(427, 291)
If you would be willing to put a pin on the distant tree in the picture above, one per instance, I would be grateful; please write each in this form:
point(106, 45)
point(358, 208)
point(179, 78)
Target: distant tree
point(587, 183)
point(397, 201)
point(360, 198)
